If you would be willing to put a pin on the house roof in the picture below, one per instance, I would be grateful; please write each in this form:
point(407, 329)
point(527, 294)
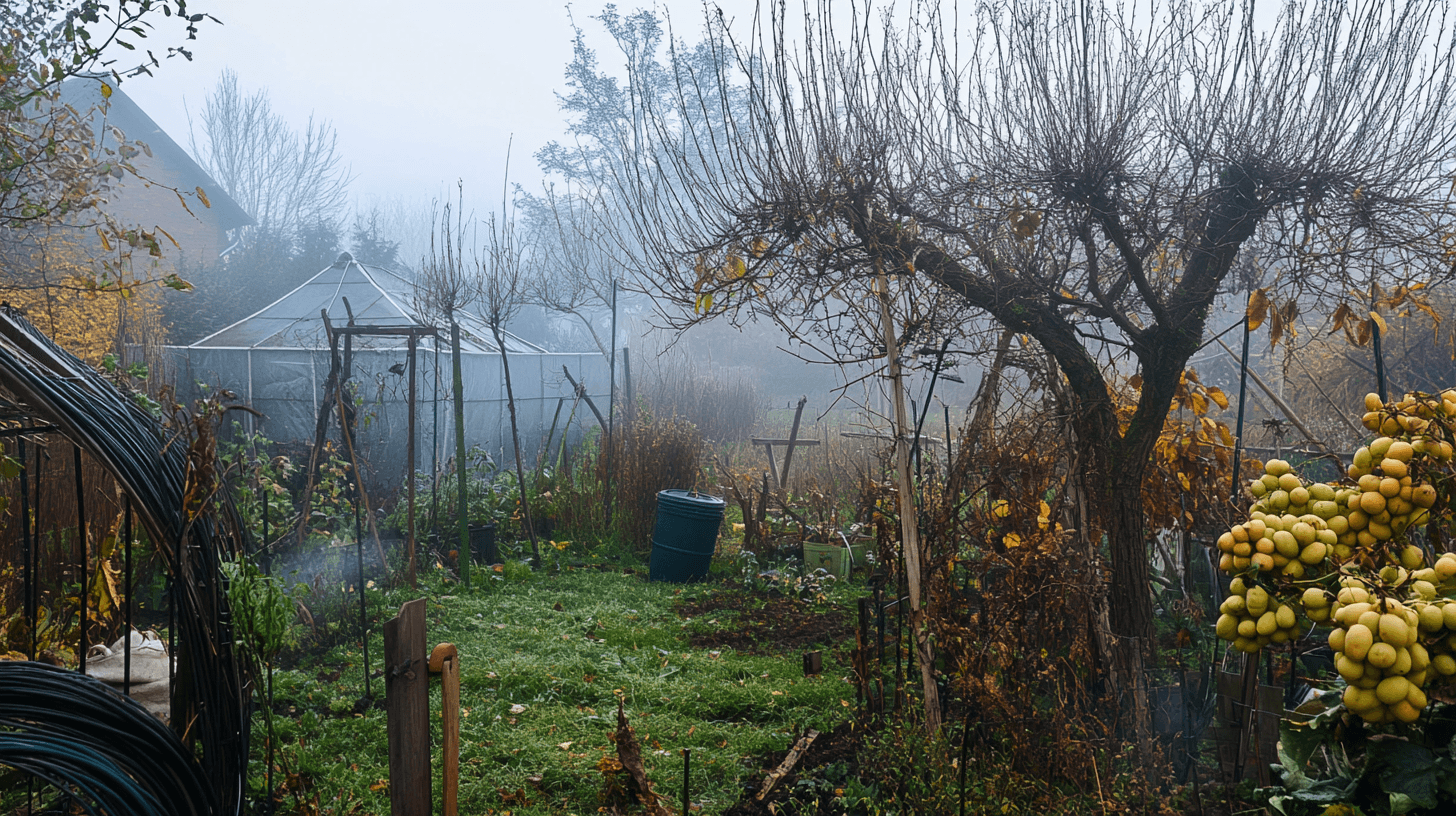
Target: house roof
point(83, 93)
point(376, 296)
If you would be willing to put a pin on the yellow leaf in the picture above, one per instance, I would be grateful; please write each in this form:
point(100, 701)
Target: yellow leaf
point(1219, 398)
point(1183, 480)
point(1379, 321)
point(202, 196)
point(105, 91)
point(1011, 540)
point(105, 242)
point(1258, 308)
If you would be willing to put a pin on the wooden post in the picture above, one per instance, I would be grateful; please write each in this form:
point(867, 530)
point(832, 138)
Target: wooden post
point(813, 663)
point(445, 661)
point(407, 705)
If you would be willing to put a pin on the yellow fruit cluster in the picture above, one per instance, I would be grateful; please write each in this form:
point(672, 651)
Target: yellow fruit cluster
point(1288, 543)
point(1251, 618)
point(1378, 652)
point(1392, 613)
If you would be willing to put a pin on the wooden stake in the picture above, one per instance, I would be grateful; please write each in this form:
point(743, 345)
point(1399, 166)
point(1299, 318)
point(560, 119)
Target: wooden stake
point(787, 765)
point(445, 661)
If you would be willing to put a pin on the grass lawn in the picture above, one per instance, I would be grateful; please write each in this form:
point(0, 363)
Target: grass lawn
point(544, 659)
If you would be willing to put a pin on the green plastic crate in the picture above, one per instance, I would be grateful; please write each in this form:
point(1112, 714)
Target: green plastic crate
point(836, 558)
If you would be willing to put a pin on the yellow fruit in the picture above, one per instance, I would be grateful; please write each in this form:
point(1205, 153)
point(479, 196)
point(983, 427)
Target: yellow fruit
point(1372, 503)
point(1314, 553)
point(1405, 712)
point(1284, 616)
point(1226, 562)
point(1227, 627)
point(1276, 467)
point(1351, 670)
point(1257, 489)
point(1403, 662)
point(1267, 623)
point(1400, 449)
point(1420, 658)
point(1263, 561)
point(1380, 446)
point(1256, 600)
point(1370, 619)
point(1393, 468)
point(1444, 664)
point(1412, 557)
point(1278, 500)
point(1358, 640)
point(1423, 495)
point(1299, 496)
point(1369, 483)
point(1389, 487)
point(1257, 528)
point(1431, 618)
point(1392, 690)
point(1265, 546)
point(1416, 697)
point(1353, 594)
point(1381, 656)
point(1287, 544)
point(1337, 640)
point(1448, 613)
point(1373, 402)
point(1358, 699)
point(1248, 628)
point(1338, 523)
point(1445, 567)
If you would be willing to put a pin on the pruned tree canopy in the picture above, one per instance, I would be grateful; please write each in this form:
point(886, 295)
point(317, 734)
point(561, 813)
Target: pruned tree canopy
point(1088, 175)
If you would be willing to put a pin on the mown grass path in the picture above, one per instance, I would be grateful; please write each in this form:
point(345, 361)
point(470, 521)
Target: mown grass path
point(543, 665)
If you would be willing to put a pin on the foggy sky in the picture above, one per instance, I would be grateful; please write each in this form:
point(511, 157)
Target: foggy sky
point(421, 95)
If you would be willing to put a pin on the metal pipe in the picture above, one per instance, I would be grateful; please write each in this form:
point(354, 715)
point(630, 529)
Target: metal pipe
point(1239, 431)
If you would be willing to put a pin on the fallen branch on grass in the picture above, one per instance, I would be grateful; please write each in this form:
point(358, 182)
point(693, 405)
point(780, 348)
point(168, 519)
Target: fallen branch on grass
point(786, 766)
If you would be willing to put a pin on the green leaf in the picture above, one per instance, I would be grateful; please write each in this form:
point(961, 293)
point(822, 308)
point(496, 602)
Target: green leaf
point(1297, 742)
point(1407, 770)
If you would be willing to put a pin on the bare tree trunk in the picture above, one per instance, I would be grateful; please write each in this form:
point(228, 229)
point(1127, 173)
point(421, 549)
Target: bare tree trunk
point(988, 396)
point(909, 521)
point(516, 446)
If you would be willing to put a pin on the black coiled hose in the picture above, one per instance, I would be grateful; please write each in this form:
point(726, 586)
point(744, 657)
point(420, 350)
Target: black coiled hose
point(94, 748)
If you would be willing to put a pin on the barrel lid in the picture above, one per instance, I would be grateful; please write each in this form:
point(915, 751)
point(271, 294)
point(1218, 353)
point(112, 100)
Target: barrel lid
point(691, 499)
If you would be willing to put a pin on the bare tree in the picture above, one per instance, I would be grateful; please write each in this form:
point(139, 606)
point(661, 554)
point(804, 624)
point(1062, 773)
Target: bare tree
point(501, 286)
point(573, 265)
point(284, 178)
point(1085, 174)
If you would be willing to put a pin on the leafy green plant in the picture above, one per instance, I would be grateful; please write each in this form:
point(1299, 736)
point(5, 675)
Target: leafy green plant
point(1329, 758)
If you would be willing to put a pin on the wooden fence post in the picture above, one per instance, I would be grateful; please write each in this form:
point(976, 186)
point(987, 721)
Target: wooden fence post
point(445, 661)
point(407, 704)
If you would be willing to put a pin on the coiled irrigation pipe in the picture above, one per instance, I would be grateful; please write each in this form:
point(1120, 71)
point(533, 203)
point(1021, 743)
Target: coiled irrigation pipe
point(92, 748)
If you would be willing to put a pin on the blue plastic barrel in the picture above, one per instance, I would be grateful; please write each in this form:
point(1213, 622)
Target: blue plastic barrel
point(686, 535)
